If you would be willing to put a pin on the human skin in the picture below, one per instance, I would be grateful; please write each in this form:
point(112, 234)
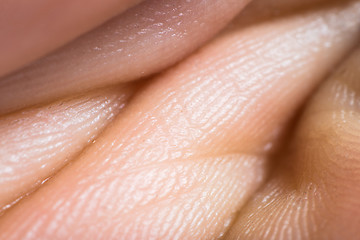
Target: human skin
point(159, 32)
point(253, 136)
point(31, 29)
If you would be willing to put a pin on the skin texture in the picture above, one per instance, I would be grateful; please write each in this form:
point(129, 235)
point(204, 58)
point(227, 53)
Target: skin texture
point(36, 143)
point(318, 180)
point(148, 38)
point(241, 140)
point(30, 29)
point(194, 143)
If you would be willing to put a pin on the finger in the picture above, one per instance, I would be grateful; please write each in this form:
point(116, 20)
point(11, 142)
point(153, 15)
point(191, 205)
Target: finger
point(140, 42)
point(191, 147)
point(314, 193)
point(36, 143)
point(15, 182)
point(330, 159)
point(30, 29)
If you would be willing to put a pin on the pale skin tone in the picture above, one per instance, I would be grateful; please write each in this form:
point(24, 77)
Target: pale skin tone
point(181, 119)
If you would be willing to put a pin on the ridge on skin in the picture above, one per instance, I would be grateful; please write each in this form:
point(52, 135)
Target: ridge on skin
point(36, 143)
point(314, 191)
point(207, 123)
point(32, 29)
point(144, 40)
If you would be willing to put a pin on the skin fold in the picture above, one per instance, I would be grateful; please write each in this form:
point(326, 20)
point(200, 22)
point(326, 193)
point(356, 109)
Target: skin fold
point(243, 139)
point(36, 143)
point(30, 29)
point(146, 39)
point(314, 193)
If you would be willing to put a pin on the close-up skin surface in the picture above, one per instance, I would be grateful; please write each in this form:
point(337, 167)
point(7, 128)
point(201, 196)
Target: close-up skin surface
point(144, 40)
point(30, 29)
point(184, 119)
point(315, 193)
point(37, 142)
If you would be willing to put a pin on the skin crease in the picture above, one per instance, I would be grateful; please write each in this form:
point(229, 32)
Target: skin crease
point(322, 167)
point(164, 32)
point(270, 9)
point(36, 143)
point(208, 123)
point(24, 23)
point(193, 145)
